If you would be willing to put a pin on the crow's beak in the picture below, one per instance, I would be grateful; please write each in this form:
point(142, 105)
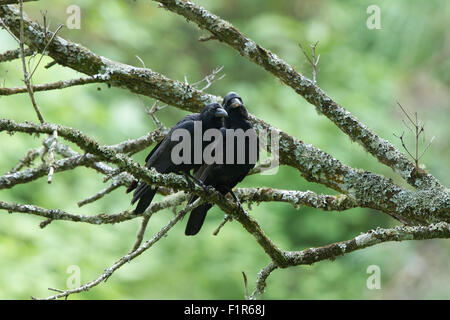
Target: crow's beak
point(235, 103)
point(221, 113)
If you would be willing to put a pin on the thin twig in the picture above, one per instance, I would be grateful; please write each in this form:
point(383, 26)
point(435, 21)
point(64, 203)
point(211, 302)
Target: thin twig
point(24, 66)
point(27, 160)
point(113, 186)
point(426, 148)
point(151, 112)
point(45, 48)
point(141, 61)
point(225, 220)
point(141, 232)
point(209, 79)
point(313, 60)
point(417, 131)
point(404, 145)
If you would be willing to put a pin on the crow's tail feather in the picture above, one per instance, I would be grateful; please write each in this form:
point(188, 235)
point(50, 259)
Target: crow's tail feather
point(196, 219)
point(145, 194)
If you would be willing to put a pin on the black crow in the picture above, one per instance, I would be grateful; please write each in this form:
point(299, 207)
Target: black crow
point(161, 157)
point(239, 157)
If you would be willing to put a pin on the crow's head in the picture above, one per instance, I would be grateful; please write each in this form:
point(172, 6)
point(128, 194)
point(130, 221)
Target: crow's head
point(213, 115)
point(234, 105)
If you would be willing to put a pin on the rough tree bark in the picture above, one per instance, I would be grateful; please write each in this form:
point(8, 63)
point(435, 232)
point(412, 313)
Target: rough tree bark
point(424, 211)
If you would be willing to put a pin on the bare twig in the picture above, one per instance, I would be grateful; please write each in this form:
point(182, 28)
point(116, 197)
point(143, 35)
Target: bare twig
point(313, 60)
point(141, 61)
point(27, 160)
point(426, 148)
point(151, 112)
point(52, 86)
point(404, 145)
point(225, 220)
point(24, 66)
point(417, 130)
point(209, 79)
point(245, 285)
point(45, 48)
point(141, 232)
point(113, 186)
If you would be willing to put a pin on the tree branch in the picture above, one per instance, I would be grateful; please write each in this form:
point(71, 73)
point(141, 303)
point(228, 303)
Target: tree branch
point(51, 86)
point(261, 280)
point(99, 219)
point(295, 198)
point(364, 240)
point(15, 54)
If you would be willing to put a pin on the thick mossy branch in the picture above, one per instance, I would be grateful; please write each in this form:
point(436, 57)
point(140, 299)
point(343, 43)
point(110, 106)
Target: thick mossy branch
point(296, 198)
point(364, 240)
point(14, 54)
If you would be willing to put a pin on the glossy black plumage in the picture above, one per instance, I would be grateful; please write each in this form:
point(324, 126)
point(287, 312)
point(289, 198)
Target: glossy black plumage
point(224, 177)
point(160, 157)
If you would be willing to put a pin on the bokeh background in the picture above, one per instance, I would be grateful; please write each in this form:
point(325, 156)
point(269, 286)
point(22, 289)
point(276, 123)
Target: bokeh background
point(366, 71)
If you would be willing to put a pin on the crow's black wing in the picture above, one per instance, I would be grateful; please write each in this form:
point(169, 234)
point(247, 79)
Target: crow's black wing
point(160, 158)
point(135, 183)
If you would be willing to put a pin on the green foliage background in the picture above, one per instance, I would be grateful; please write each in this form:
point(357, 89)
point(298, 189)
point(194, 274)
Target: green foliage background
point(366, 71)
